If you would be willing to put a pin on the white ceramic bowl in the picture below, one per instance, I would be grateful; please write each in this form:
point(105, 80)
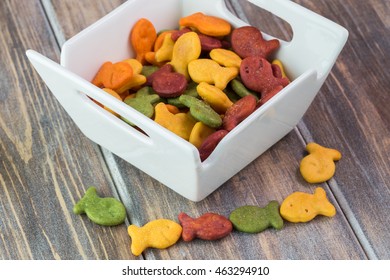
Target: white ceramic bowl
point(309, 57)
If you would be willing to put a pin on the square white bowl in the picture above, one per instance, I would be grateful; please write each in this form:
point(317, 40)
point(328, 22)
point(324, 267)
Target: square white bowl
point(309, 57)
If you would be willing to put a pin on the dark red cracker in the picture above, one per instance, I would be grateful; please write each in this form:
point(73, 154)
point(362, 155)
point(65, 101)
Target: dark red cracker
point(248, 41)
point(210, 143)
point(176, 34)
point(166, 68)
point(169, 85)
point(209, 43)
point(257, 74)
point(239, 111)
point(209, 226)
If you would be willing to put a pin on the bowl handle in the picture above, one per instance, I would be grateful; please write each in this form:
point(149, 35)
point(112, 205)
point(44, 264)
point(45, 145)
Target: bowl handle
point(316, 41)
point(101, 126)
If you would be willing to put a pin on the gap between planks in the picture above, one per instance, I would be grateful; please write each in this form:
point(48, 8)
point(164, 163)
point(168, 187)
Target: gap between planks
point(108, 161)
point(305, 136)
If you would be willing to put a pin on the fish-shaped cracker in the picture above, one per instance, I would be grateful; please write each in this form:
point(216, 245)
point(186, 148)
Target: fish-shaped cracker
point(105, 211)
point(303, 207)
point(318, 166)
point(160, 234)
point(209, 226)
point(254, 219)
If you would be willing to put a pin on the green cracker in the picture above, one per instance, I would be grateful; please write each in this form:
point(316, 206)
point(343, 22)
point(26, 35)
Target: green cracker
point(254, 219)
point(106, 211)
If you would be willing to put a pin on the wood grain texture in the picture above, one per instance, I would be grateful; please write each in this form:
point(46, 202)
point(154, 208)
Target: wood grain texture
point(45, 160)
point(270, 177)
point(355, 103)
point(351, 113)
point(64, 21)
point(42, 173)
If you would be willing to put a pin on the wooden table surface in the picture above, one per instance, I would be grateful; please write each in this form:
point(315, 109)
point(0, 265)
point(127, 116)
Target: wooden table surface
point(47, 163)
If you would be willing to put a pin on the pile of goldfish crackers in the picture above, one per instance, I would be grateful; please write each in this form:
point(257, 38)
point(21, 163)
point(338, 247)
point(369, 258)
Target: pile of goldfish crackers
point(199, 81)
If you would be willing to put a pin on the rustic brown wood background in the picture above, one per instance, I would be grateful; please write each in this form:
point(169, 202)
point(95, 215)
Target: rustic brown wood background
point(47, 163)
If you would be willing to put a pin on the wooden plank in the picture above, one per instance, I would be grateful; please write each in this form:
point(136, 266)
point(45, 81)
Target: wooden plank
point(350, 113)
point(270, 177)
point(357, 117)
point(274, 175)
point(46, 163)
point(354, 101)
point(64, 21)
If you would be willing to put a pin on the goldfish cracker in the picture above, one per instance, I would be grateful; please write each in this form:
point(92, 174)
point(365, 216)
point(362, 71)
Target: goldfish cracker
point(156, 71)
point(136, 81)
point(248, 41)
point(209, 43)
point(142, 38)
point(210, 143)
point(303, 207)
point(318, 166)
point(209, 71)
point(254, 219)
point(113, 75)
point(106, 211)
point(215, 97)
point(129, 96)
point(209, 226)
point(225, 57)
point(181, 124)
point(121, 74)
point(201, 111)
point(239, 112)
point(135, 65)
point(206, 24)
point(186, 49)
point(199, 133)
point(257, 74)
point(164, 53)
point(104, 73)
point(159, 234)
point(150, 57)
point(169, 84)
point(239, 88)
point(143, 101)
point(160, 39)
